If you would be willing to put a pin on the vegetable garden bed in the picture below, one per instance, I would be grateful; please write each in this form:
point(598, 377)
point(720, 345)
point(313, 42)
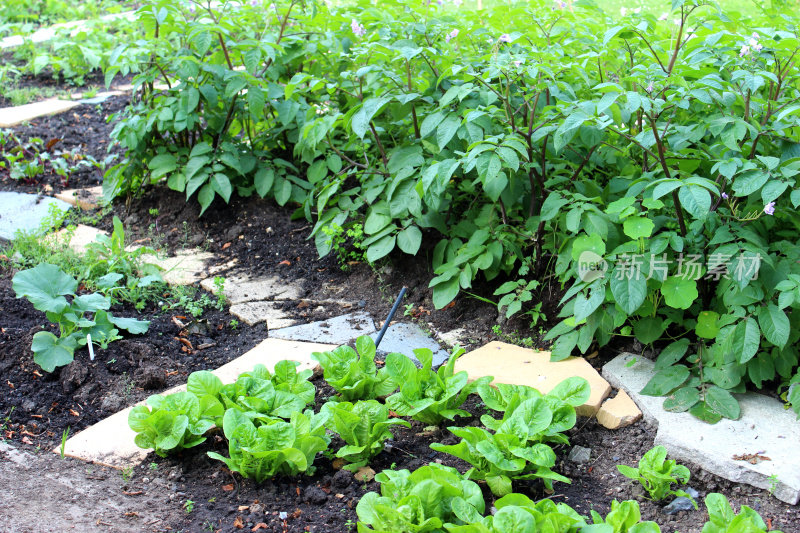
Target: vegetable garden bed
point(192, 491)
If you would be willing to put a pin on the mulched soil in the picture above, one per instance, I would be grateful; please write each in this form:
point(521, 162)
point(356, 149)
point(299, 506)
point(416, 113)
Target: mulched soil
point(37, 407)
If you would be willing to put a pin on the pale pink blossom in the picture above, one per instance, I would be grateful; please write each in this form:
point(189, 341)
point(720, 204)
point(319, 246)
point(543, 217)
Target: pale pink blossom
point(458, 3)
point(517, 63)
point(505, 38)
point(744, 51)
point(664, 16)
point(450, 36)
point(358, 29)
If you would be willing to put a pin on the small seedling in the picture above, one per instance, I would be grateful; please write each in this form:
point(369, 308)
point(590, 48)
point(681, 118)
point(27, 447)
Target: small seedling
point(127, 474)
point(153, 466)
point(656, 473)
point(188, 506)
point(64, 437)
point(234, 323)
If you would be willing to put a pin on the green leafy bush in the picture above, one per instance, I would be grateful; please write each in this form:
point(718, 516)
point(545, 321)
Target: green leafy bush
point(624, 517)
point(263, 396)
point(656, 473)
point(276, 447)
point(46, 287)
point(501, 457)
point(427, 395)
point(364, 427)
point(560, 403)
point(174, 422)
point(517, 512)
point(722, 519)
point(419, 501)
point(353, 373)
point(663, 156)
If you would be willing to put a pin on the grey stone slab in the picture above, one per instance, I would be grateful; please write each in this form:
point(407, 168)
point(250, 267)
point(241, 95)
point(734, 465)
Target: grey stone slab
point(239, 290)
point(405, 338)
point(252, 313)
point(24, 212)
point(337, 330)
point(765, 427)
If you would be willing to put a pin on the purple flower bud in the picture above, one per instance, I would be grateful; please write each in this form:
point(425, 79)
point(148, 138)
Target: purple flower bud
point(358, 29)
point(505, 38)
point(724, 196)
point(770, 208)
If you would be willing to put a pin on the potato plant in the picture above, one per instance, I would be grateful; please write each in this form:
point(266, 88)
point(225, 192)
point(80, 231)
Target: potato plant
point(648, 164)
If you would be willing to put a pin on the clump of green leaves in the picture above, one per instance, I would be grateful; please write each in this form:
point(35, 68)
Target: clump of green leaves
point(517, 512)
point(275, 447)
point(656, 473)
point(353, 373)
point(364, 427)
point(560, 403)
point(174, 422)
point(427, 395)
point(263, 396)
point(346, 244)
point(498, 458)
point(47, 288)
point(624, 517)
point(722, 518)
point(423, 500)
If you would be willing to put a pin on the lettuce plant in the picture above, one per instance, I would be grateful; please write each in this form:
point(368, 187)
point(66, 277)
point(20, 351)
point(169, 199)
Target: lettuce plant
point(47, 288)
point(656, 473)
point(624, 517)
point(353, 373)
point(174, 422)
point(274, 448)
point(722, 519)
point(364, 427)
point(560, 403)
point(518, 513)
point(263, 396)
point(427, 395)
point(419, 501)
point(501, 457)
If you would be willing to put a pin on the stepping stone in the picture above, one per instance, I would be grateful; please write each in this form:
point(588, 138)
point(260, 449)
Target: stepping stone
point(515, 365)
point(186, 267)
point(82, 235)
point(82, 198)
point(252, 313)
point(618, 412)
point(765, 428)
point(458, 336)
point(243, 289)
point(338, 330)
point(405, 338)
point(110, 442)
point(24, 212)
point(12, 116)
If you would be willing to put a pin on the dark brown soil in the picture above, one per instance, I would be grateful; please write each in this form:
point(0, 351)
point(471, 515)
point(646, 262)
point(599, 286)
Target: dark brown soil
point(265, 240)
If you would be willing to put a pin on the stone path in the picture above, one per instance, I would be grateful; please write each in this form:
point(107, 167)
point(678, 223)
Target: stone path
point(24, 212)
point(765, 428)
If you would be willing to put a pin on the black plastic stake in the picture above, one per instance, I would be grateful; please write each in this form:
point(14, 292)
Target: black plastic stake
point(391, 315)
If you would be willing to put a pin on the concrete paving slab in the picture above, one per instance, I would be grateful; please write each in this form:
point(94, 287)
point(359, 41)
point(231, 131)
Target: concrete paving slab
point(252, 313)
point(81, 236)
point(337, 330)
point(240, 289)
point(24, 212)
point(405, 338)
point(12, 116)
point(110, 442)
point(82, 198)
point(522, 366)
point(765, 427)
point(618, 412)
point(186, 267)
